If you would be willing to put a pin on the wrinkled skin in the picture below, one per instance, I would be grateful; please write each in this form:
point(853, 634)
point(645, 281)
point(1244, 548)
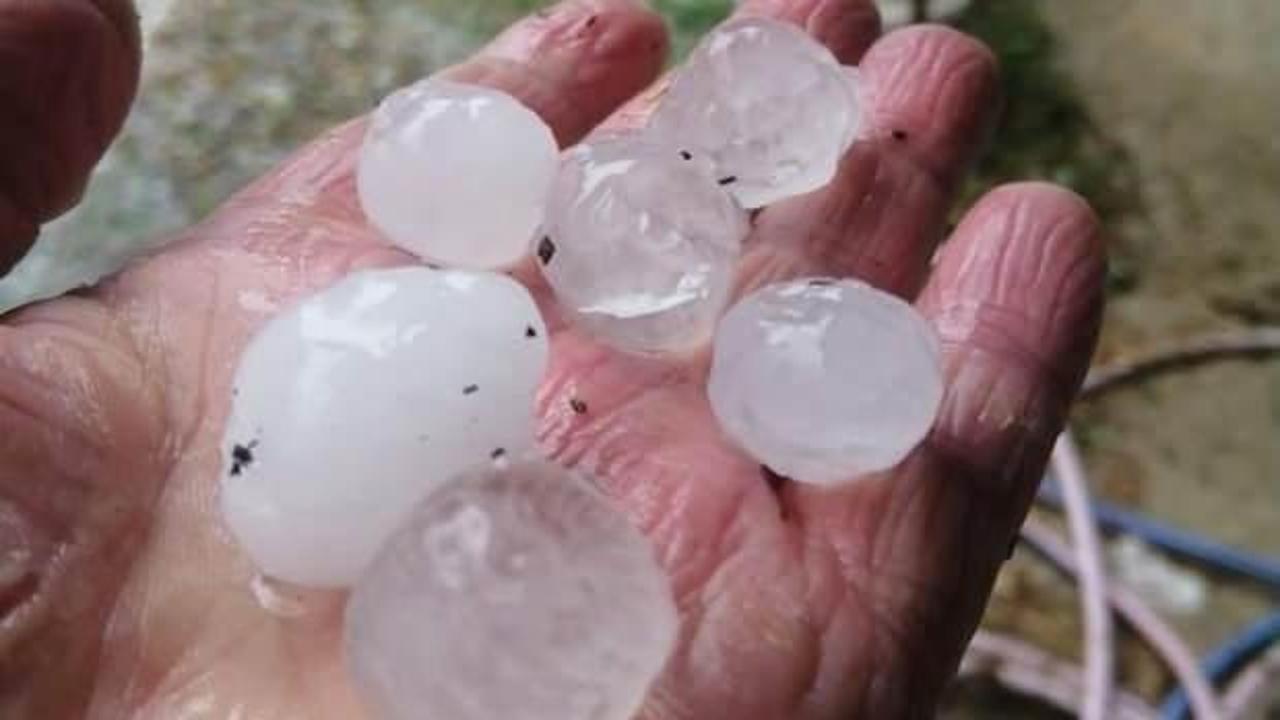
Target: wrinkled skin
point(121, 595)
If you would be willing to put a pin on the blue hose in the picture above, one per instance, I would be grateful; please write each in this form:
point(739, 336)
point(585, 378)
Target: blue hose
point(1213, 554)
point(1226, 660)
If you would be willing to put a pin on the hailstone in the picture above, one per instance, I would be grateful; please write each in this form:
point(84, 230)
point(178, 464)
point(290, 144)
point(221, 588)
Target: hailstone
point(825, 380)
point(773, 109)
point(640, 244)
point(515, 591)
point(350, 406)
point(456, 174)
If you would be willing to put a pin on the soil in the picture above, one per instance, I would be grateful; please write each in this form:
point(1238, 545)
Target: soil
point(1183, 94)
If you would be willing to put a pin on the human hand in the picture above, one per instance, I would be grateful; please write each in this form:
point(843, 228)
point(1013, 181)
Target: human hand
point(121, 595)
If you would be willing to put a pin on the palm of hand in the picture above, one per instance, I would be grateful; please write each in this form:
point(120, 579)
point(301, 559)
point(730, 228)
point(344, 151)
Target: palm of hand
point(795, 602)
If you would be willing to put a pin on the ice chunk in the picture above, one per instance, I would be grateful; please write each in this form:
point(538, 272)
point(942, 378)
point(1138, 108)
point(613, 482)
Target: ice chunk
point(516, 591)
point(456, 174)
point(641, 244)
point(349, 406)
point(824, 380)
point(770, 106)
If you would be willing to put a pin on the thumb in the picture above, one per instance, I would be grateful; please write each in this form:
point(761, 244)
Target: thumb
point(68, 73)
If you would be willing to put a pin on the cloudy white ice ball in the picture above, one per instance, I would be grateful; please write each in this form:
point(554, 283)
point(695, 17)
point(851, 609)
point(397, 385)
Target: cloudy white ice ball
point(516, 591)
point(824, 380)
point(350, 406)
point(456, 174)
point(641, 243)
point(771, 107)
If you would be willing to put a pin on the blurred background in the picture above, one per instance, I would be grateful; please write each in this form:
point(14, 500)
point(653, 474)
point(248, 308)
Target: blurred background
point(1164, 113)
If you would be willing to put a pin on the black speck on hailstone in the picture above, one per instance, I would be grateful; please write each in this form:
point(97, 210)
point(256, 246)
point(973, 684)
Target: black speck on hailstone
point(242, 457)
point(546, 250)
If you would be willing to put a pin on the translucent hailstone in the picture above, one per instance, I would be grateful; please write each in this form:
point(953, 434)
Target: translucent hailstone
point(456, 174)
point(824, 380)
point(773, 108)
point(641, 244)
point(348, 407)
point(516, 591)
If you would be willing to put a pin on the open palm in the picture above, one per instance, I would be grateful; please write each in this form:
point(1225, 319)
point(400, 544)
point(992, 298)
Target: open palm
point(121, 595)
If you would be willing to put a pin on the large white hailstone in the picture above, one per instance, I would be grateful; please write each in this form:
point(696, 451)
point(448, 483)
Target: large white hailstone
point(772, 108)
point(456, 174)
point(516, 591)
point(825, 380)
point(641, 244)
point(350, 406)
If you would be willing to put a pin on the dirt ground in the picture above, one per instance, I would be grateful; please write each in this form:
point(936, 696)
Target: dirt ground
point(1181, 111)
point(1186, 92)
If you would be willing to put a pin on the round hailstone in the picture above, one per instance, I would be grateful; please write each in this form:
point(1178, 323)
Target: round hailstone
point(641, 244)
point(350, 406)
point(516, 591)
point(456, 174)
point(773, 108)
point(825, 380)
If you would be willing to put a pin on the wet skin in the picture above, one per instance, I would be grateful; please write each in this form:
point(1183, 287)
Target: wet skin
point(122, 596)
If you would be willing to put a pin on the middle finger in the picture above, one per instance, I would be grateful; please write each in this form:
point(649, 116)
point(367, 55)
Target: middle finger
point(931, 97)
